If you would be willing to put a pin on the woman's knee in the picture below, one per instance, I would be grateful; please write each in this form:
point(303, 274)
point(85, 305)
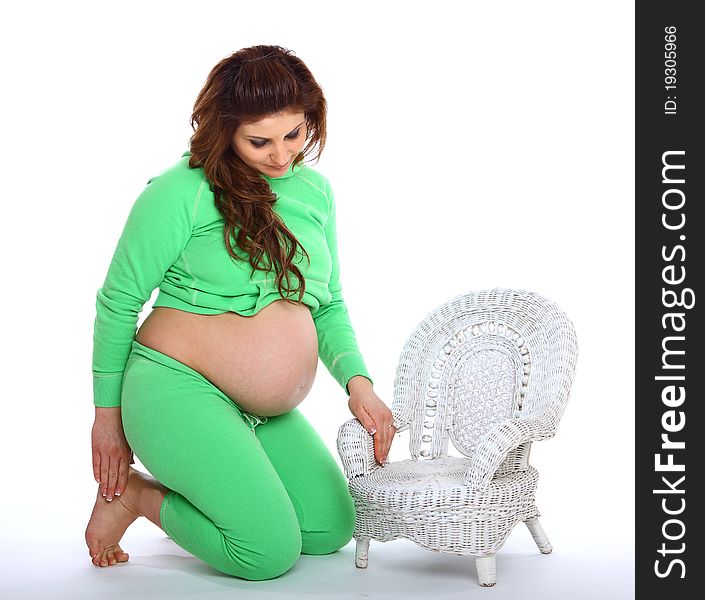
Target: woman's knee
point(269, 557)
point(332, 531)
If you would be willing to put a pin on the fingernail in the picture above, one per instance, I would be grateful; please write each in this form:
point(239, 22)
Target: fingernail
point(117, 493)
point(372, 430)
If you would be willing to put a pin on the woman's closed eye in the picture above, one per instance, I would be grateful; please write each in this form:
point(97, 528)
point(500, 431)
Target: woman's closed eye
point(292, 136)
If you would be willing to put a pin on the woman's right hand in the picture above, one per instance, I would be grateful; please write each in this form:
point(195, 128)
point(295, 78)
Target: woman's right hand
point(112, 454)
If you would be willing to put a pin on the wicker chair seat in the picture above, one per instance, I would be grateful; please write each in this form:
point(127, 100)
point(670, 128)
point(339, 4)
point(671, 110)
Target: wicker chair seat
point(410, 484)
point(410, 499)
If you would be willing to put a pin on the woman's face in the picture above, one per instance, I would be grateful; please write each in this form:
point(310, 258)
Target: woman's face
point(270, 144)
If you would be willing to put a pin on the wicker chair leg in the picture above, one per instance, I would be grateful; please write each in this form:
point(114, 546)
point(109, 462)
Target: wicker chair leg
point(361, 551)
point(486, 570)
point(539, 535)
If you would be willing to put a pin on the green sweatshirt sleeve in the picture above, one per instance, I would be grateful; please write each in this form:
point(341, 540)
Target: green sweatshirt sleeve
point(337, 343)
point(154, 235)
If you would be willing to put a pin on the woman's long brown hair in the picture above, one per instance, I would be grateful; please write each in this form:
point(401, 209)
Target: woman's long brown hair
point(246, 86)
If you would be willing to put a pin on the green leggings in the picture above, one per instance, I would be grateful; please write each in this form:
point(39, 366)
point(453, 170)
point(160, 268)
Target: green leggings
point(246, 501)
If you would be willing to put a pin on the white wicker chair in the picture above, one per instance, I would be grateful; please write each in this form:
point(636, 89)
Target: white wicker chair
point(492, 371)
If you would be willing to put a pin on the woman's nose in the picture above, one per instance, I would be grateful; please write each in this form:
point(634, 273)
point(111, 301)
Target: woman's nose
point(280, 156)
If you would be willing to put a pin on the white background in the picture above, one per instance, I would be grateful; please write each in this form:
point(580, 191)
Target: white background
point(471, 145)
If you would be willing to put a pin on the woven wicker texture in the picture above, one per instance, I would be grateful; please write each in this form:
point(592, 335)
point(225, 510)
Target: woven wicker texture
point(490, 371)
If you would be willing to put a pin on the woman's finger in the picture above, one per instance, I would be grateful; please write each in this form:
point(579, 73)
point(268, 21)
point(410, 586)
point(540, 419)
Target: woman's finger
point(369, 424)
point(104, 466)
point(381, 444)
point(112, 476)
point(367, 421)
point(122, 478)
point(386, 440)
point(96, 466)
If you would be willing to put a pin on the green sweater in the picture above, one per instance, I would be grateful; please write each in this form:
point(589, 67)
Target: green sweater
point(173, 239)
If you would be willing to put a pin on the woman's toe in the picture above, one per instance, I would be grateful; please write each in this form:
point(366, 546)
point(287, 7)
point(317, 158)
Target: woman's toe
point(122, 556)
point(119, 554)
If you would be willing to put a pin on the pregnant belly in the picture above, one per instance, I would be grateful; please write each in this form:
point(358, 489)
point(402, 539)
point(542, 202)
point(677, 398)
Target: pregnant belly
point(265, 363)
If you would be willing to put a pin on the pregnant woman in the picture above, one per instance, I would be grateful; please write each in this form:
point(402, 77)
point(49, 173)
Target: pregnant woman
point(240, 238)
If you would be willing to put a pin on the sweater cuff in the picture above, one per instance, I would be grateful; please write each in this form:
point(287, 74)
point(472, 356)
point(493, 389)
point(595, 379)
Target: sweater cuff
point(106, 389)
point(346, 366)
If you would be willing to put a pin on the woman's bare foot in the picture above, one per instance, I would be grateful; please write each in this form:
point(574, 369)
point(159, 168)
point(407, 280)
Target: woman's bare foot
point(110, 520)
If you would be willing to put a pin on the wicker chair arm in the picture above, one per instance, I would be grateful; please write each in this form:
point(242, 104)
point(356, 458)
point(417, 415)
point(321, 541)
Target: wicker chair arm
point(494, 446)
point(356, 449)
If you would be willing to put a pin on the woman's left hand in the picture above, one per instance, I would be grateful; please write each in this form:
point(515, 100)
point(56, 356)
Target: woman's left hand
point(375, 415)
